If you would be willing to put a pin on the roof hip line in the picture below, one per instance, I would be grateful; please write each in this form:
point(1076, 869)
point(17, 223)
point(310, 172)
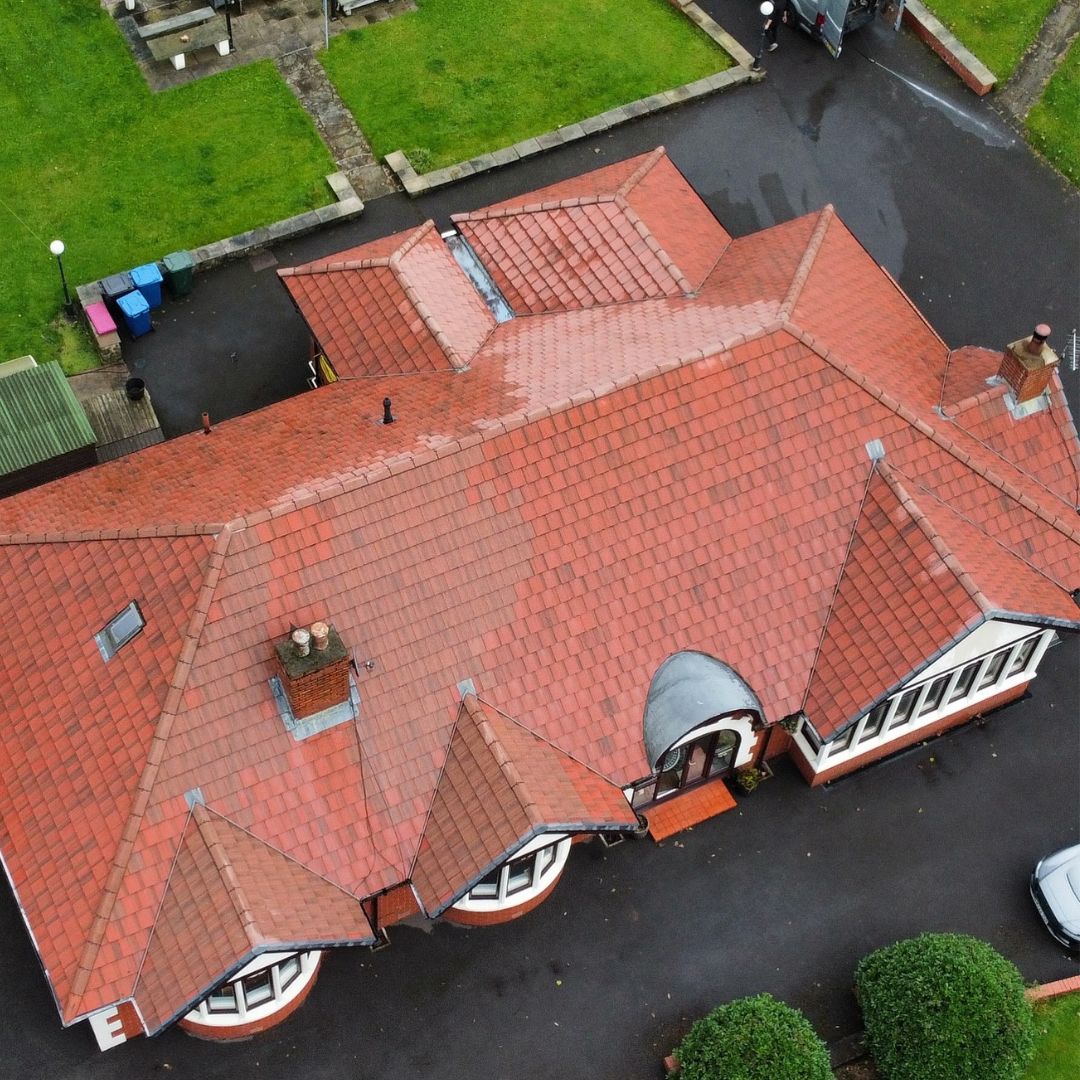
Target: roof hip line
point(208, 831)
point(154, 758)
point(806, 263)
point(930, 432)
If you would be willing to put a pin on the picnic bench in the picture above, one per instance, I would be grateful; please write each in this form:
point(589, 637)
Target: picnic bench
point(175, 46)
point(176, 23)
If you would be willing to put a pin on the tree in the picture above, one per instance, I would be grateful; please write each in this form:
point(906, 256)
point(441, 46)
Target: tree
point(945, 1005)
point(754, 1038)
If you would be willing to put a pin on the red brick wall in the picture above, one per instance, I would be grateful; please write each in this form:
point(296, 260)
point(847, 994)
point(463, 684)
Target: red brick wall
point(129, 1018)
point(912, 737)
point(393, 906)
point(318, 690)
point(245, 1031)
point(1026, 384)
point(493, 918)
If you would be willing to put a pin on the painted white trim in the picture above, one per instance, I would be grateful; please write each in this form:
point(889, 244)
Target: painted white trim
point(829, 755)
point(741, 723)
point(309, 962)
point(108, 1027)
point(541, 879)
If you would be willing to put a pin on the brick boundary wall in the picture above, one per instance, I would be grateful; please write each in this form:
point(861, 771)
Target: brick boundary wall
point(245, 1031)
point(929, 29)
point(910, 739)
point(1046, 991)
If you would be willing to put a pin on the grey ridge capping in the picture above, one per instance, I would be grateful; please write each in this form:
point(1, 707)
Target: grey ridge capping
point(347, 205)
point(416, 184)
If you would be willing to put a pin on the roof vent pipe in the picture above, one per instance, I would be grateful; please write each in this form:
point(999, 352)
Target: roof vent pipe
point(387, 415)
point(320, 636)
point(206, 423)
point(301, 640)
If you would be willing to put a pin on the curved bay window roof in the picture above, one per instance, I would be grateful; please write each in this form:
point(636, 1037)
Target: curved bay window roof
point(689, 689)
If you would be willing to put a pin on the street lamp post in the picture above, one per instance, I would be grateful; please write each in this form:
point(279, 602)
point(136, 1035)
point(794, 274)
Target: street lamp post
point(57, 248)
point(766, 10)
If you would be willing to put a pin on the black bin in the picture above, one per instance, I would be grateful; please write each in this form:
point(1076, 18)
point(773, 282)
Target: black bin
point(112, 288)
point(179, 271)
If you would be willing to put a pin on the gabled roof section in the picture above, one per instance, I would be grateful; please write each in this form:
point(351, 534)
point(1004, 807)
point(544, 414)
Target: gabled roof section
point(40, 417)
point(501, 785)
point(80, 728)
point(392, 308)
point(634, 237)
point(230, 896)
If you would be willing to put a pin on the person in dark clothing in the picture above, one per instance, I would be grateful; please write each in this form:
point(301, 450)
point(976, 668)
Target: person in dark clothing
point(780, 14)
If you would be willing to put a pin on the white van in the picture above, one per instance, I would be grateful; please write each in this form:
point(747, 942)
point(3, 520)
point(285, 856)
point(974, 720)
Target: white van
point(830, 20)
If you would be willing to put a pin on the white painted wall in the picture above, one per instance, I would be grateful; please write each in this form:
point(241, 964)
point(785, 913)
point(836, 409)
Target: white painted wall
point(988, 637)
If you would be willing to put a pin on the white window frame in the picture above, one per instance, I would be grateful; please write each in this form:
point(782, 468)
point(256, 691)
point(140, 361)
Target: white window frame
point(284, 989)
point(544, 871)
point(107, 642)
point(834, 753)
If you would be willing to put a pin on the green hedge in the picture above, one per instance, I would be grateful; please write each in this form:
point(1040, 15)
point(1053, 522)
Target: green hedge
point(945, 1005)
point(755, 1038)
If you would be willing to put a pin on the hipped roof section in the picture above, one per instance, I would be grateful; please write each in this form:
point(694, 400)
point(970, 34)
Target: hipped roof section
point(502, 785)
point(229, 897)
point(400, 305)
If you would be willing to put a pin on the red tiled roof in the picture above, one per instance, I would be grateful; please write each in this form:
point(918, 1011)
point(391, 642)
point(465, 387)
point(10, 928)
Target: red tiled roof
point(376, 311)
point(638, 237)
point(500, 786)
point(230, 896)
point(601, 488)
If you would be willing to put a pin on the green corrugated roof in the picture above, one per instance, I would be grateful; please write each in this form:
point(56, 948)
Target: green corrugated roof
point(40, 418)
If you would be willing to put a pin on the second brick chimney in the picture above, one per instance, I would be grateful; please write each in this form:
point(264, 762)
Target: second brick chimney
point(314, 668)
point(1027, 365)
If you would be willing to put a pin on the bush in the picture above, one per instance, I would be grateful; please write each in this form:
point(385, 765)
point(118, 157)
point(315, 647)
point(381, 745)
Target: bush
point(755, 1038)
point(945, 1005)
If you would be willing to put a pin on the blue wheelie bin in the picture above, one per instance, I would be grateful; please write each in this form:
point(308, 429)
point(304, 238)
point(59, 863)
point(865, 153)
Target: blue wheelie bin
point(147, 279)
point(136, 312)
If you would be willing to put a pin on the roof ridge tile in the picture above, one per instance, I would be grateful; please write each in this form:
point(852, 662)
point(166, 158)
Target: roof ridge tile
point(806, 263)
point(653, 244)
point(208, 831)
point(648, 163)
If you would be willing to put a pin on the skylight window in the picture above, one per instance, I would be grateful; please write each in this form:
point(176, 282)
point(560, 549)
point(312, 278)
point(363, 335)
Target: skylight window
point(119, 631)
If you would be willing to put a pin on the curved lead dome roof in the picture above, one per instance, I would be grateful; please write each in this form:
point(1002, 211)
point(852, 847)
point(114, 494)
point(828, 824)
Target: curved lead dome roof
point(687, 690)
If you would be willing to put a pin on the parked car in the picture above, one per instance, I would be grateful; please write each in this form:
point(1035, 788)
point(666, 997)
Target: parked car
point(1055, 888)
point(830, 20)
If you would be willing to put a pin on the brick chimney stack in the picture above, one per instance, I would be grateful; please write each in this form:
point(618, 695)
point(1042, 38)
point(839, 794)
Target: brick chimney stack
point(314, 679)
point(1027, 365)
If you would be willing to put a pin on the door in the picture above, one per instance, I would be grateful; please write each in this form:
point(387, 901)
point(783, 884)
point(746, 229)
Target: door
point(705, 758)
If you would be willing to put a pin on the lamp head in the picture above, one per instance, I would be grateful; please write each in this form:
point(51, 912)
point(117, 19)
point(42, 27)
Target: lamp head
point(57, 248)
point(766, 8)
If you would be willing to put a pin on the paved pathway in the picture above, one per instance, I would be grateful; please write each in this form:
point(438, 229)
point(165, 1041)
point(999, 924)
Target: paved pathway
point(306, 78)
point(1040, 62)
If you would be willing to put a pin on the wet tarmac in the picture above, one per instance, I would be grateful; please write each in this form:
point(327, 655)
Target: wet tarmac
point(788, 891)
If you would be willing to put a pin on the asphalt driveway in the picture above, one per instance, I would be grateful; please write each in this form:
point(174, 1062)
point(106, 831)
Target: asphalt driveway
point(980, 233)
point(784, 894)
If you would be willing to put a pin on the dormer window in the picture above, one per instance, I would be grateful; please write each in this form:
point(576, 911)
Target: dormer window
point(119, 631)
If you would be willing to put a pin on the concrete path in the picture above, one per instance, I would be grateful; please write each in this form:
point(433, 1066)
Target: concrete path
point(1040, 62)
point(306, 78)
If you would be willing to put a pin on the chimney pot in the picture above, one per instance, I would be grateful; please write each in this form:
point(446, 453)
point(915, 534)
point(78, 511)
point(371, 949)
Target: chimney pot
point(206, 423)
point(1038, 338)
point(320, 636)
point(301, 640)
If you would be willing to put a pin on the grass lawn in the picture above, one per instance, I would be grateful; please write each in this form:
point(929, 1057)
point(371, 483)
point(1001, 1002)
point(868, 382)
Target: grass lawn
point(1057, 1046)
point(1054, 124)
point(998, 32)
point(123, 176)
point(457, 78)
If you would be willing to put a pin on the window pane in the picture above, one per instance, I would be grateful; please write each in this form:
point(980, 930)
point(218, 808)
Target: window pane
point(258, 988)
point(874, 722)
point(994, 670)
point(904, 707)
point(1023, 657)
point(520, 875)
point(487, 887)
point(965, 682)
point(222, 1000)
point(288, 971)
point(932, 701)
point(810, 735)
point(643, 794)
point(842, 742)
point(545, 858)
